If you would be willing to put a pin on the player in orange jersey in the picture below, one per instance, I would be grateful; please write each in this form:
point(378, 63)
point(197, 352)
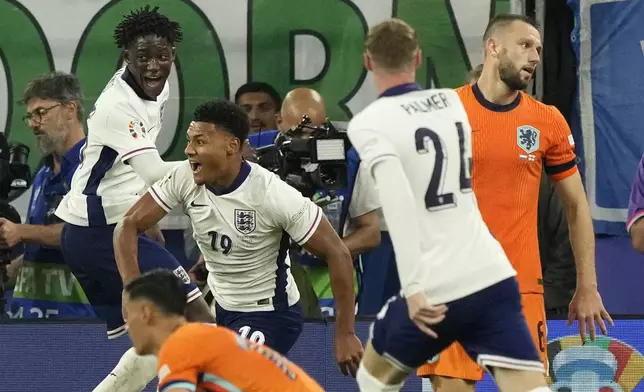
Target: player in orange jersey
point(196, 357)
point(513, 135)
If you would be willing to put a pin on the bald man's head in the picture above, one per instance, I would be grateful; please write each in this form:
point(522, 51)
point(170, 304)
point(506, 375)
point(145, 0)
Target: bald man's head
point(300, 102)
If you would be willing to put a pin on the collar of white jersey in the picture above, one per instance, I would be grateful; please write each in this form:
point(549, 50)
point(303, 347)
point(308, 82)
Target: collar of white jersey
point(239, 180)
point(401, 89)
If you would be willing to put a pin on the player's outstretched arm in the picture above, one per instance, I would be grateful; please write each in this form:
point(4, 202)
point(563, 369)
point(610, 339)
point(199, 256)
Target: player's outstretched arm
point(586, 305)
point(150, 167)
point(325, 243)
point(12, 234)
point(144, 214)
point(398, 205)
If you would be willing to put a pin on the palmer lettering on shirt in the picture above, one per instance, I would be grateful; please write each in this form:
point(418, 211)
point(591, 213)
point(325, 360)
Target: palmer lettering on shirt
point(434, 152)
point(431, 103)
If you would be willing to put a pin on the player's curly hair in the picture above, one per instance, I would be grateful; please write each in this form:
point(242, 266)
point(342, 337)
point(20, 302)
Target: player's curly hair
point(146, 21)
point(224, 114)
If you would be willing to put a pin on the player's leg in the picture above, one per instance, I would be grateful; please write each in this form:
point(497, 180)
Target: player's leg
point(377, 374)
point(500, 339)
point(396, 347)
point(89, 254)
point(277, 329)
point(534, 310)
point(152, 255)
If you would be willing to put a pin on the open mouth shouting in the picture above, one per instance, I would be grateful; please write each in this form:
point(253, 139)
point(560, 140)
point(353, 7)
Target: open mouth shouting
point(153, 82)
point(195, 166)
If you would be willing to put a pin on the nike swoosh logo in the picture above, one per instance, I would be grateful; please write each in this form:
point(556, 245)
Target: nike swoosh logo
point(192, 204)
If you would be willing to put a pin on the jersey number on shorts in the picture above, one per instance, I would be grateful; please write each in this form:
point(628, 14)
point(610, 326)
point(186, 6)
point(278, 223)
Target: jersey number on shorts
point(220, 242)
point(435, 199)
point(255, 337)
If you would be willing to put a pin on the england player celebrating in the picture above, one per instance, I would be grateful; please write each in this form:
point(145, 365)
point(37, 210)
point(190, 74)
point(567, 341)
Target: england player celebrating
point(119, 159)
point(243, 217)
point(417, 145)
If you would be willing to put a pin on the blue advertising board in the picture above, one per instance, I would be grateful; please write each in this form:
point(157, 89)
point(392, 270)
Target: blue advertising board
point(608, 41)
point(75, 357)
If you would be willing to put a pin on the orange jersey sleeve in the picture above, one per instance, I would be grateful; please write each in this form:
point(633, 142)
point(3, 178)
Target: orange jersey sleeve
point(179, 361)
point(560, 156)
point(509, 145)
point(200, 357)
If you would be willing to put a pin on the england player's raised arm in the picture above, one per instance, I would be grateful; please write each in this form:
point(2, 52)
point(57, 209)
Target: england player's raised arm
point(161, 198)
point(127, 134)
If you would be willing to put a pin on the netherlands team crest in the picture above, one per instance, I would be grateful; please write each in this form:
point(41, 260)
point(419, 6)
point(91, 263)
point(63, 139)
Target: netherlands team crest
point(245, 221)
point(528, 138)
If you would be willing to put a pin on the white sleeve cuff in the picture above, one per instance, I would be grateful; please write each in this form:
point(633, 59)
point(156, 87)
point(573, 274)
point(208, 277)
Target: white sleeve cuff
point(156, 195)
point(138, 151)
point(312, 228)
point(634, 218)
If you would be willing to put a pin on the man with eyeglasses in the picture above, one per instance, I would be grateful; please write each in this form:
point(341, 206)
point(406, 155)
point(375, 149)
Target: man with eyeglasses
point(44, 287)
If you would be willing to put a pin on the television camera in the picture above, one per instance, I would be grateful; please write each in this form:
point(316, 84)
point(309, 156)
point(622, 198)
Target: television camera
point(308, 158)
point(15, 179)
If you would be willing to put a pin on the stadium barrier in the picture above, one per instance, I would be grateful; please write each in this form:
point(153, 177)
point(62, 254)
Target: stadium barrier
point(74, 356)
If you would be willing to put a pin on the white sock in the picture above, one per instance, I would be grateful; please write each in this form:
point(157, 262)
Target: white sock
point(369, 383)
point(132, 374)
point(541, 389)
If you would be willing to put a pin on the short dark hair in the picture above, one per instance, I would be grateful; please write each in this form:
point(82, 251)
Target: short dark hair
point(260, 87)
point(55, 86)
point(503, 20)
point(146, 21)
point(161, 287)
point(224, 114)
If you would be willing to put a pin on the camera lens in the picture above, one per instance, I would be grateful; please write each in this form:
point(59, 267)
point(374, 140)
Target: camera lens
point(18, 154)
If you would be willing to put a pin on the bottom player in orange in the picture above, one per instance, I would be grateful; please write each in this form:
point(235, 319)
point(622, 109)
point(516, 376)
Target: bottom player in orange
point(196, 357)
point(454, 362)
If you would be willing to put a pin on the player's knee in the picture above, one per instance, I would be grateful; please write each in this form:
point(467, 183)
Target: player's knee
point(369, 383)
point(510, 380)
point(448, 384)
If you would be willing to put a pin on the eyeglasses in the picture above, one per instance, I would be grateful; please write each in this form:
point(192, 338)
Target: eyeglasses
point(37, 115)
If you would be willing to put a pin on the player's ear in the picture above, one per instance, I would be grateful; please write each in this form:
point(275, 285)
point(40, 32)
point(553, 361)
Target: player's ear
point(146, 313)
point(367, 61)
point(492, 47)
point(173, 52)
point(234, 146)
point(419, 58)
point(126, 56)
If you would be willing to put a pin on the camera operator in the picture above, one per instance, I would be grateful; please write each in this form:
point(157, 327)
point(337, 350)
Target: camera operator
point(352, 210)
point(44, 286)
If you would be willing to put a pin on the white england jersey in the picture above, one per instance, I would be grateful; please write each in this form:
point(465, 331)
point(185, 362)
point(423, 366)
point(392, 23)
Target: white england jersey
point(429, 132)
point(243, 233)
point(122, 126)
